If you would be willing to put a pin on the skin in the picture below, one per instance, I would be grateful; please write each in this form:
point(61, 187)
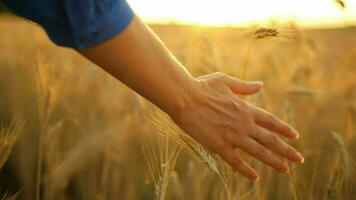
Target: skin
point(206, 107)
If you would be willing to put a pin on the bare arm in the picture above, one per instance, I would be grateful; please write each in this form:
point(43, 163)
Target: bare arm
point(206, 108)
point(140, 60)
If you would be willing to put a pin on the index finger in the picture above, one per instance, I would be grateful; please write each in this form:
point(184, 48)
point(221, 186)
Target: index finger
point(272, 123)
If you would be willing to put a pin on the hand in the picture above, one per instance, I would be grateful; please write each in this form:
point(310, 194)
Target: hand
point(216, 118)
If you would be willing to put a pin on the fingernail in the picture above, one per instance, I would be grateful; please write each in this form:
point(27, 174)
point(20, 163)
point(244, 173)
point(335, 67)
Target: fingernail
point(257, 83)
point(299, 157)
point(295, 134)
point(255, 177)
point(302, 160)
point(285, 169)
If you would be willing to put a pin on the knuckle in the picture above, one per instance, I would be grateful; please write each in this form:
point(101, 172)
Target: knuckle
point(240, 168)
point(274, 161)
point(248, 110)
point(279, 164)
point(217, 81)
point(244, 109)
point(283, 126)
point(290, 151)
point(235, 164)
point(221, 144)
point(269, 122)
point(287, 128)
point(271, 118)
point(260, 151)
point(272, 140)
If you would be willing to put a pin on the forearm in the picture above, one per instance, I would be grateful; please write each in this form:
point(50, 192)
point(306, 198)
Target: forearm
point(140, 60)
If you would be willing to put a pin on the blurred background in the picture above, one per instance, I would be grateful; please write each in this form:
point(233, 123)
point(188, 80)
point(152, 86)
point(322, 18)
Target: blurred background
point(68, 130)
point(312, 14)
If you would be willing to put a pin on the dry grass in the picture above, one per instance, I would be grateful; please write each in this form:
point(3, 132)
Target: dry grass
point(9, 134)
point(10, 197)
point(84, 131)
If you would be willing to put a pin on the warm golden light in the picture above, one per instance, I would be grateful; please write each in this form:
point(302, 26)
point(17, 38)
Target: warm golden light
point(242, 13)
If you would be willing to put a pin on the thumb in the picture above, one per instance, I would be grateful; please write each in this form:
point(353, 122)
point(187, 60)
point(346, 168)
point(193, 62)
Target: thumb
point(243, 87)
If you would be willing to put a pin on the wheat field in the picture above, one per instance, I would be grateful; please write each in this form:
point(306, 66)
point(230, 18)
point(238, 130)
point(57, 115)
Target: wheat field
point(70, 131)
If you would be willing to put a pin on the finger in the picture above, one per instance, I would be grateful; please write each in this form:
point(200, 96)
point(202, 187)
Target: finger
point(272, 123)
point(255, 149)
point(274, 143)
point(243, 87)
point(228, 154)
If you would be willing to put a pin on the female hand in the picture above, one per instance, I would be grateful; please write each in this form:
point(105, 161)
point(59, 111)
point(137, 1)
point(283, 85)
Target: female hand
point(216, 118)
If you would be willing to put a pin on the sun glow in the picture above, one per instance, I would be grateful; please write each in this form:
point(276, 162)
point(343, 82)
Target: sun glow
point(245, 13)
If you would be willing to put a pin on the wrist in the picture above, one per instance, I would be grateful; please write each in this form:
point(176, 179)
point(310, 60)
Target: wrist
point(182, 97)
point(188, 95)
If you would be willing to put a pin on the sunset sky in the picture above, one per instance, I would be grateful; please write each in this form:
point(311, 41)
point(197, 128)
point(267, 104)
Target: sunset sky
point(307, 13)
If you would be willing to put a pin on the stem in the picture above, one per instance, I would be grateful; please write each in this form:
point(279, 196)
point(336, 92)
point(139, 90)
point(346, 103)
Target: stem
point(225, 187)
point(44, 126)
point(291, 176)
point(39, 160)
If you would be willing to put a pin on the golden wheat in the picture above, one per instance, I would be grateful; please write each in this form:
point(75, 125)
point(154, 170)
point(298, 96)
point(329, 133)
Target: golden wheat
point(343, 169)
point(168, 129)
point(76, 105)
point(265, 33)
point(8, 196)
point(160, 157)
point(9, 134)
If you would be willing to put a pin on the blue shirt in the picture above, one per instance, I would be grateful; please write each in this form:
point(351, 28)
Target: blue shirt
point(76, 23)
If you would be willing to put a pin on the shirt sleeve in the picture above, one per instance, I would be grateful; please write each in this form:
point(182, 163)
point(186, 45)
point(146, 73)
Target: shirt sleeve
point(76, 23)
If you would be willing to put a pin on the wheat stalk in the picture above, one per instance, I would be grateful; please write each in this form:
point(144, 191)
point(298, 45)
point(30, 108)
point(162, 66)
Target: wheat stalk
point(8, 136)
point(265, 33)
point(8, 196)
point(291, 37)
point(168, 129)
point(46, 98)
point(343, 168)
point(177, 186)
point(161, 158)
point(258, 34)
point(341, 4)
